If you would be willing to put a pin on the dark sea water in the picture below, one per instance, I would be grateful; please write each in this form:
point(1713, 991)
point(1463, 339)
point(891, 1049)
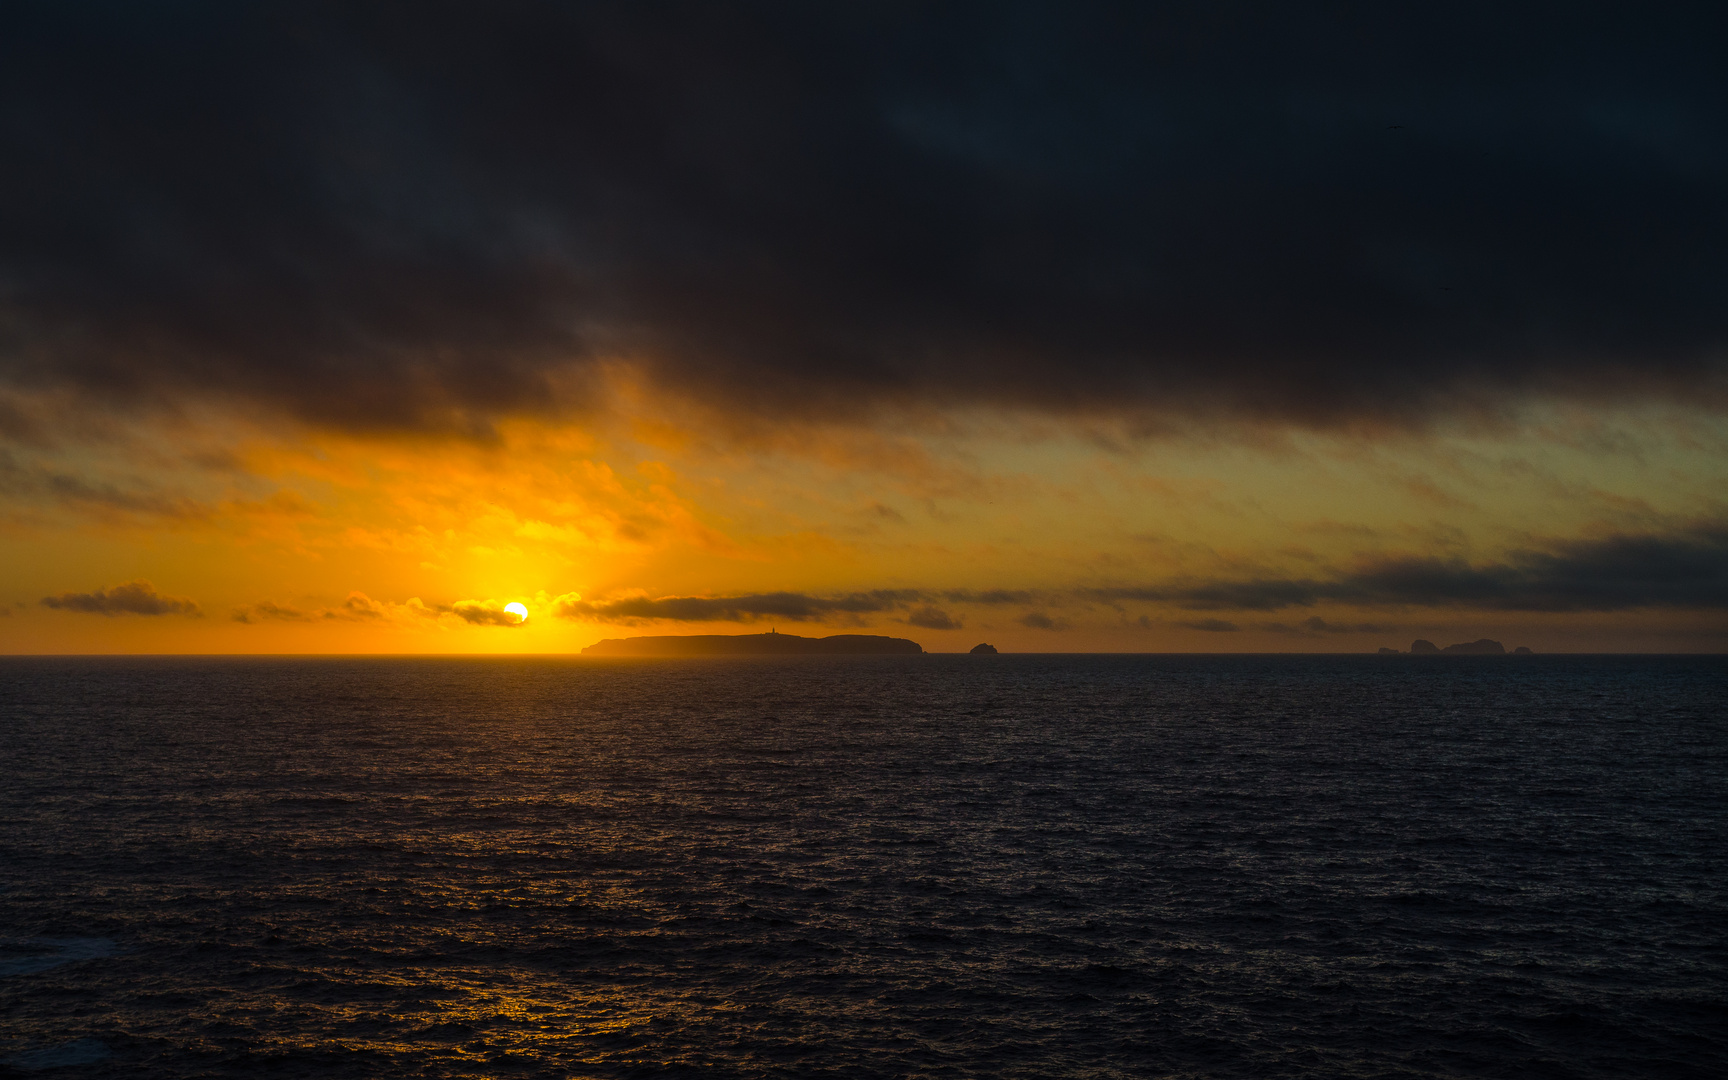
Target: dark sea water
point(956, 866)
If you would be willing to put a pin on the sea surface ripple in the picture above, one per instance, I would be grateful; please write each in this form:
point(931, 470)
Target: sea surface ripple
point(955, 866)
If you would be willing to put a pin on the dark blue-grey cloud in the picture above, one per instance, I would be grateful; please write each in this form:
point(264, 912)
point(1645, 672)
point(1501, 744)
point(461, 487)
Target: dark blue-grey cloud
point(1681, 569)
point(381, 213)
point(131, 598)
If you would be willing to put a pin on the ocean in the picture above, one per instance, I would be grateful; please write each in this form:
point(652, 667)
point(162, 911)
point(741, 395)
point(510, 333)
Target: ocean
point(897, 866)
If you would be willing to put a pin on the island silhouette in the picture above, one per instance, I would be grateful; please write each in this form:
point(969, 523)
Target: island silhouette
point(1479, 647)
point(769, 644)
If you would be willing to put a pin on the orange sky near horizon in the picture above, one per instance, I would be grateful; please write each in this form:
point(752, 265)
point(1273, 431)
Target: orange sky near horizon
point(1028, 533)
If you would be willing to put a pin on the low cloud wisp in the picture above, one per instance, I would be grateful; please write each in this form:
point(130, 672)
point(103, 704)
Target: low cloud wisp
point(131, 598)
point(796, 607)
point(1687, 569)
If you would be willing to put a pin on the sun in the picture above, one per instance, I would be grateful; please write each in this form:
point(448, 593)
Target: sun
point(518, 610)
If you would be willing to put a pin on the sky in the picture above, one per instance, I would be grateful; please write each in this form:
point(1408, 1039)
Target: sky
point(1214, 327)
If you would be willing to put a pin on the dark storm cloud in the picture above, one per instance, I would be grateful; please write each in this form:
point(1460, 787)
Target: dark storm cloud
point(384, 214)
point(132, 598)
point(796, 607)
point(1682, 569)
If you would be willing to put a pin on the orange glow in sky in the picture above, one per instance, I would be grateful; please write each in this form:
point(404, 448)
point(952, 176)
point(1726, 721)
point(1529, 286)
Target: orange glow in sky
point(548, 536)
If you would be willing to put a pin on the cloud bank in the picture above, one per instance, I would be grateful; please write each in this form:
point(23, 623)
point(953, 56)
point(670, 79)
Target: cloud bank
point(1682, 569)
point(394, 215)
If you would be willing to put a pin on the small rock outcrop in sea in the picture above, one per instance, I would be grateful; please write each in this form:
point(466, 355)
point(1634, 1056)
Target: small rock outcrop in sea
point(1389, 652)
point(1479, 647)
point(984, 649)
point(1422, 645)
point(1522, 650)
